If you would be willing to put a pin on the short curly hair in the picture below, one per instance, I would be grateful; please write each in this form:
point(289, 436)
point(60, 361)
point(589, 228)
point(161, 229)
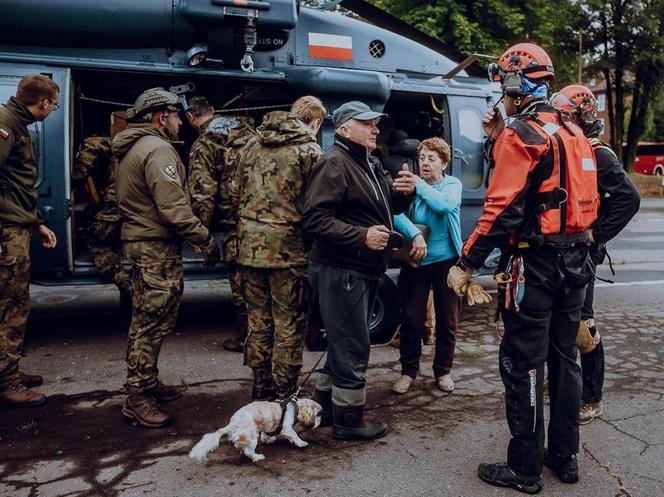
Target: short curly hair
point(437, 145)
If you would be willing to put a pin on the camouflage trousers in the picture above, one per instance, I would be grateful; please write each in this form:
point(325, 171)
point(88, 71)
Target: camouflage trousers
point(278, 307)
point(157, 284)
point(14, 299)
point(105, 248)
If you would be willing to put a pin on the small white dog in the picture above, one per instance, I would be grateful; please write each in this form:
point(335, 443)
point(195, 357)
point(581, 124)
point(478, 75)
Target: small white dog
point(267, 420)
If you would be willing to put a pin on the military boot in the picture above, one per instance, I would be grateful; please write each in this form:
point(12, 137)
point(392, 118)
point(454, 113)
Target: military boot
point(263, 388)
point(324, 398)
point(30, 380)
point(18, 394)
point(349, 424)
point(164, 393)
point(285, 390)
point(144, 409)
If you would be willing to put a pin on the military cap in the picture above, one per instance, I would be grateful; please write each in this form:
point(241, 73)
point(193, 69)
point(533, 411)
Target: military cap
point(354, 110)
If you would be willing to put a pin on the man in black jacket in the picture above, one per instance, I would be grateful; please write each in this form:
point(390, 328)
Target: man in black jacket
point(619, 202)
point(349, 203)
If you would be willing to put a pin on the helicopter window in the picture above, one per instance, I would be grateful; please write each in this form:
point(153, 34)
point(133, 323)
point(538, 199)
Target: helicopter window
point(469, 151)
point(376, 49)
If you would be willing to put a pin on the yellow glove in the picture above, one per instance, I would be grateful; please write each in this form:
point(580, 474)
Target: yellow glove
point(458, 279)
point(476, 294)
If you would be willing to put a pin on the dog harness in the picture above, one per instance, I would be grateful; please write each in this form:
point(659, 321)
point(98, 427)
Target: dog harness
point(284, 406)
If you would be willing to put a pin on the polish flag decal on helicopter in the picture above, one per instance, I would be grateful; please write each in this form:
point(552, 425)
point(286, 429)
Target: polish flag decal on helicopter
point(326, 46)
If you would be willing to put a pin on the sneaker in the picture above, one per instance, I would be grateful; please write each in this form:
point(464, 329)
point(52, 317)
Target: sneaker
point(565, 467)
point(402, 385)
point(590, 411)
point(18, 394)
point(144, 410)
point(501, 475)
point(164, 393)
point(30, 380)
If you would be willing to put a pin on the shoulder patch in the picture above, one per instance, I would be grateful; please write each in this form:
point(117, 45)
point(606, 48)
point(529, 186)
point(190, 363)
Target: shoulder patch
point(171, 171)
point(222, 125)
point(4, 133)
point(527, 133)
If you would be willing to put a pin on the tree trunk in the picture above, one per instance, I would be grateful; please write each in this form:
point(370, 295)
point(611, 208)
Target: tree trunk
point(637, 123)
point(610, 106)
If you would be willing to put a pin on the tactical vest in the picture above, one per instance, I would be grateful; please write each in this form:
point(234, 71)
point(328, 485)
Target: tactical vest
point(567, 201)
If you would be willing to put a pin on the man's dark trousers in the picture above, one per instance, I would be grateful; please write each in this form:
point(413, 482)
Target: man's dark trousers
point(544, 331)
point(592, 363)
point(345, 299)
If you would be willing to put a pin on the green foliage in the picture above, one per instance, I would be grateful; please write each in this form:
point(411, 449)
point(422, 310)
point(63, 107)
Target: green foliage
point(490, 26)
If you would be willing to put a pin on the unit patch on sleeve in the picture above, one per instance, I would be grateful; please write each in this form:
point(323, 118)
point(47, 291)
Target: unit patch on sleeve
point(171, 171)
point(4, 133)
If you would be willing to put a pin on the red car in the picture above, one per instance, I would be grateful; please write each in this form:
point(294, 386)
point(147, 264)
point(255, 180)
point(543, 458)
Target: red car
point(650, 158)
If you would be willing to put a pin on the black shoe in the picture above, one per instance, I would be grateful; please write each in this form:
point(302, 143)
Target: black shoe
point(234, 344)
point(501, 475)
point(324, 398)
point(164, 393)
point(565, 467)
point(349, 424)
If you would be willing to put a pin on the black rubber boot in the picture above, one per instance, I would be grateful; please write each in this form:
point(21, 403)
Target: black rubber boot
point(349, 424)
point(501, 475)
point(565, 467)
point(263, 388)
point(324, 398)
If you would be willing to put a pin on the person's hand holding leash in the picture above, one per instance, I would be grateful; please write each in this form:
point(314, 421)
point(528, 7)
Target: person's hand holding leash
point(377, 237)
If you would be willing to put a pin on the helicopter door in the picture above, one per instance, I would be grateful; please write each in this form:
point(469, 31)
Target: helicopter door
point(467, 154)
point(51, 142)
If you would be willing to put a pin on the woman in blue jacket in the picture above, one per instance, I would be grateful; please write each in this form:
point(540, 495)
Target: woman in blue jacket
point(437, 204)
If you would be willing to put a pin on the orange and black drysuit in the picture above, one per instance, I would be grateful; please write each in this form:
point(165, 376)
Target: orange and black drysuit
point(540, 200)
point(619, 202)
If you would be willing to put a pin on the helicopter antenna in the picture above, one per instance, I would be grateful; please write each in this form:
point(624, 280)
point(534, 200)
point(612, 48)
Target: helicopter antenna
point(465, 63)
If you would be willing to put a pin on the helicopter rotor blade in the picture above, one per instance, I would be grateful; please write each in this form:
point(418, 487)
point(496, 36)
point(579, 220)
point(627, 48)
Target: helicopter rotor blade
point(387, 21)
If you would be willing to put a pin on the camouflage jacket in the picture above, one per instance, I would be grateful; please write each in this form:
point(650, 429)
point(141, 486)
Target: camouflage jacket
point(18, 167)
point(151, 188)
point(95, 162)
point(271, 174)
point(212, 162)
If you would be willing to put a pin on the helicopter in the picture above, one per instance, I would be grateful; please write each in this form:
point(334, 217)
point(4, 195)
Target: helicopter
point(247, 57)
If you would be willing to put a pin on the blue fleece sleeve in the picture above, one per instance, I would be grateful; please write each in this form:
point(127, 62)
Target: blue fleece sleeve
point(405, 226)
point(441, 202)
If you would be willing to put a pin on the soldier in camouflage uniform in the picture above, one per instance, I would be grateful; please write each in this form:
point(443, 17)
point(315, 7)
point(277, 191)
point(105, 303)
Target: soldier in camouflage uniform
point(95, 168)
point(273, 254)
point(152, 196)
point(36, 97)
point(212, 164)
